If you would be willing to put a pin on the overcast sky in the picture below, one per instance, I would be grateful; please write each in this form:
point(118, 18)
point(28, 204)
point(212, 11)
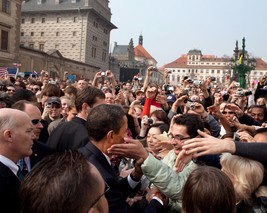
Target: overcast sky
point(173, 27)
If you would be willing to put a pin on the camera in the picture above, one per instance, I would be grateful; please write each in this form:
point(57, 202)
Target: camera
point(190, 105)
point(189, 81)
point(155, 69)
point(236, 137)
point(103, 73)
point(213, 78)
point(240, 93)
point(197, 83)
point(150, 121)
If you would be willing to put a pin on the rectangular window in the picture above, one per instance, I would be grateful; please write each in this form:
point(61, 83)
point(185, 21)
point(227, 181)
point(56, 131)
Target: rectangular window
point(56, 46)
point(41, 47)
point(31, 45)
point(4, 40)
point(42, 33)
point(57, 33)
point(32, 33)
point(93, 53)
point(104, 55)
point(22, 21)
point(5, 6)
point(75, 19)
point(58, 19)
point(32, 20)
point(21, 33)
point(43, 20)
point(74, 33)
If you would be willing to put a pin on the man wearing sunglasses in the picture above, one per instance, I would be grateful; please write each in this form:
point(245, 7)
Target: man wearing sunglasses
point(40, 150)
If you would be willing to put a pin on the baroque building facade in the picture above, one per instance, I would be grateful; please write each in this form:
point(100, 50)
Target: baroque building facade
point(198, 67)
point(9, 31)
point(79, 30)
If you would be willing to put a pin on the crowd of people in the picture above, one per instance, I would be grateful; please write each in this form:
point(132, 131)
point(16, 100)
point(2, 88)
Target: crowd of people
point(106, 146)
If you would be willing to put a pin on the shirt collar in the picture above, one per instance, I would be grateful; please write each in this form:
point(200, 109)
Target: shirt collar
point(10, 164)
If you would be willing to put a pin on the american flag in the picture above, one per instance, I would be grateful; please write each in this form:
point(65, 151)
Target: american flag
point(12, 72)
point(3, 72)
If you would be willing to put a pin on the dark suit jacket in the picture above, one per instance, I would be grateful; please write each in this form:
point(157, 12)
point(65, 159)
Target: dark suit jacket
point(119, 189)
point(70, 135)
point(9, 188)
point(39, 151)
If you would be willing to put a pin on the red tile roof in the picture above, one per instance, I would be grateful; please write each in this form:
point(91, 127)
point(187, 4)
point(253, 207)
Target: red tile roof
point(179, 62)
point(140, 51)
point(261, 64)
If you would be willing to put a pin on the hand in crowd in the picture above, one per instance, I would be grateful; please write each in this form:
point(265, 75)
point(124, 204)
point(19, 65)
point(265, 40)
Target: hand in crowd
point(180, 101)
point(155, 192)
point(151, 92)
point(161, 98)
point(245, 136)
point(182, 160)
point(132, 113)
point(239, 112)
point(150, 70)
point(218, 99)
point(215, 111)
point(207, 145)
point(131, 149)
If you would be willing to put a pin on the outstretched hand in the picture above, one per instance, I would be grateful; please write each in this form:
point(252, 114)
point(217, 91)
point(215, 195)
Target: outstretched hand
point(182, 160)
point(207, 145)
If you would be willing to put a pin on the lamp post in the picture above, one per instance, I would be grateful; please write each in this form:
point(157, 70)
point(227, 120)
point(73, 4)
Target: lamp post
point(242, 64)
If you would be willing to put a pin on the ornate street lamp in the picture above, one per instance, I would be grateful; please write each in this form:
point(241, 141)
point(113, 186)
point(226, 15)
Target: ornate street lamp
point(242, 64)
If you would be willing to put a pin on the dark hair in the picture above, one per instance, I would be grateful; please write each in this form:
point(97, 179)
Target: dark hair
point(71, 90)
point(208, 190)
point(51, 90)
point(60, 183)
point(20, 105)
point(192, 122)
point(23, 94)
point(103, 118)
point(261, 131)
point(162, 127)
point(88, 95)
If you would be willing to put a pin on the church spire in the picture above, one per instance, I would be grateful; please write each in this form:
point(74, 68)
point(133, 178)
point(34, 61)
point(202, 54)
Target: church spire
point(141, 40)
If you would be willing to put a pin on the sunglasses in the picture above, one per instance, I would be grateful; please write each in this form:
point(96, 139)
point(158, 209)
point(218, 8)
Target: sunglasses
point(230, 113)
point(10, 90)
point(35, 121)
point(107, 188)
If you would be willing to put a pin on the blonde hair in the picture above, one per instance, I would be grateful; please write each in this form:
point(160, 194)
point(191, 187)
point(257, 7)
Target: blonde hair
point(245, 174)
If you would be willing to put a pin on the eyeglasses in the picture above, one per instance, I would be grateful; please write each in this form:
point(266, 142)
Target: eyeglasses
point(230, 113)
point(35, 121)
point(177, 137)
point(10, 90)
point(107, 188)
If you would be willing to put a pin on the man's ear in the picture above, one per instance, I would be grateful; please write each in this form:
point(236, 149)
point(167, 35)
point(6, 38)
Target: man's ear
point(85, 108)
point(207, 131)
point(7, 135)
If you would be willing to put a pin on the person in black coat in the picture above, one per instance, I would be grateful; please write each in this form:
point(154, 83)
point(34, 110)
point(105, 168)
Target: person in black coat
point(73, 135)
point(16, 140)
point(107, 125)
point(39, 149)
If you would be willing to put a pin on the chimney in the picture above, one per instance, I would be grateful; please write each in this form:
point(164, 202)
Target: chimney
point(86, 3)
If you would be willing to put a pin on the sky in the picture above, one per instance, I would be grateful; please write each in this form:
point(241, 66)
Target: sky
point(171, 28)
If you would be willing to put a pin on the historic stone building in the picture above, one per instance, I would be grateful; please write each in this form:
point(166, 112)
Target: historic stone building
point(134, 61)
point(9, 31)
point(198, 67)
point(79, 29)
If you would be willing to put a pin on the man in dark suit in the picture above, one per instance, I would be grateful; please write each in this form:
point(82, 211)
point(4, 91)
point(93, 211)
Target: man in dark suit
point(39, 149)
point(16, 140)
point(73, 134)
point(107, 125)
